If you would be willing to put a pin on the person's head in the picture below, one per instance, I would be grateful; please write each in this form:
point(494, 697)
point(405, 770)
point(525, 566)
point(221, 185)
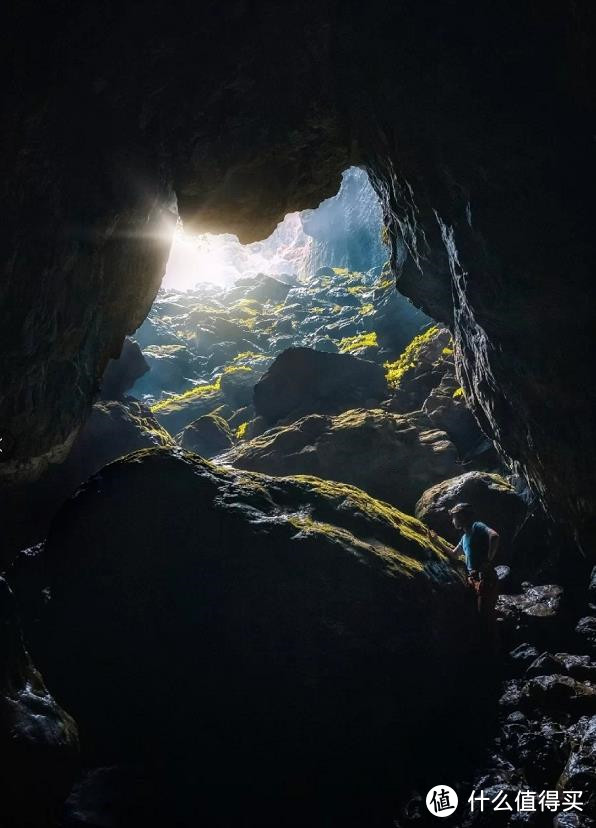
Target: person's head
point(462, 516)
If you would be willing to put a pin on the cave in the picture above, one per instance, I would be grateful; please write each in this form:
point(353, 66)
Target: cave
point(228, 586)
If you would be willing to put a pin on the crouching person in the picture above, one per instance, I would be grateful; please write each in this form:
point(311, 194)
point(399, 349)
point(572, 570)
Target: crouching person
point(479, 544)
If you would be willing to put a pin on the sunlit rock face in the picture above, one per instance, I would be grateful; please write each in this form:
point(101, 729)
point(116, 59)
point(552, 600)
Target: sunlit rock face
point(475, 123)
point(287, 628)
point(346, 230)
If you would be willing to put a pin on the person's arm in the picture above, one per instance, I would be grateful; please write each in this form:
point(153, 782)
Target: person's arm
point(455, 552)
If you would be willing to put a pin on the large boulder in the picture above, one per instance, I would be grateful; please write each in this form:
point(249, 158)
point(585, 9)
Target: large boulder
point(122, 373)
point(170, 368)
point(38, 739)
point(291, 638)
point(112, 430)
point(392, 457)
point(207, 436)
point(304, 381)
point(493, 498)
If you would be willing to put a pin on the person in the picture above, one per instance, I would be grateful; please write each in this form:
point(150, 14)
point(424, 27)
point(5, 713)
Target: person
point(479, 544)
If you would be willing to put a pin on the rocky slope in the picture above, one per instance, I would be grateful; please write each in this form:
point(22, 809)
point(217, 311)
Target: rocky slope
point(302, 633)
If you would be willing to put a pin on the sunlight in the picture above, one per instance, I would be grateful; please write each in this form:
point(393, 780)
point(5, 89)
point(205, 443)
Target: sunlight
point(221, 259)
point(196, 259)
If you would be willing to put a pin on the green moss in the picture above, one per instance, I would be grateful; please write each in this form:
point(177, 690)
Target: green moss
point(349, 500)
point(459, 392)
point(241, 430)
point(395, 371)
point(447, 351)
point(367, 309)
point(362, 340)
point(237, 369)
point(191, 394)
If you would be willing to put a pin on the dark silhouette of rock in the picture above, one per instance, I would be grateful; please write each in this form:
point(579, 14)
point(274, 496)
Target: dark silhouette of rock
point(578, 667)
point(554, 692)
point(391, 457)
point(282, 623)
point(534, 613)
point(170, 369)
point(494, 500)
point(122, 373)
point(207, 436)
point(304, 381)
point(38, 739)
point(112, 430)
point(586, 633)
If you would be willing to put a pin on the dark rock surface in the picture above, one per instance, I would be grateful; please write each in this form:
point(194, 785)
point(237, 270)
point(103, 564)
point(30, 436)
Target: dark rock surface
point(113, 428)
point(309, 651)
point(494, 500)
point(38, 740)
point(207, 436)
point(304, 381)
point(391, 457)
point(122, 373)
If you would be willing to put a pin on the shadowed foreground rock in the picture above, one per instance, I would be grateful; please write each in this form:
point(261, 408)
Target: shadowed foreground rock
point(251, 632)
point(38, 740)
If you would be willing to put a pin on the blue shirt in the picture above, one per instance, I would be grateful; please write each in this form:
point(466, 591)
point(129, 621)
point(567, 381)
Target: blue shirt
point(475, 544)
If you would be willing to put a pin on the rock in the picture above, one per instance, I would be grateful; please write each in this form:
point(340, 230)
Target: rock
point(38, 739)
point(277, 623)
point(385, 454)
point(112, 430)
point(579, 773)
point(541, 752)
point(269, 289)
point(522, 656)
point(254, 428)
point(170, 369)
point(512, 695)
point(304, 381)
point(446, 407)
point(155, 331)
point(534, 613)
point(207, 436)
point(237, 386)
point(586, 632)
point(592, 589)
point(578, 667)
point(494, 500)
point(561, 693)
point(176, 412)
point(122, 373)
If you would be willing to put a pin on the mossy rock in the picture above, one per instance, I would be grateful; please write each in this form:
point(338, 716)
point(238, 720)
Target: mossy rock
point(207, 436)
point(393, 457)
point(308, 637)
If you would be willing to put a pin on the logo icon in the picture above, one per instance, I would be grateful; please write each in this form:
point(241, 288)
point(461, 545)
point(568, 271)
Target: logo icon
point(441, 801)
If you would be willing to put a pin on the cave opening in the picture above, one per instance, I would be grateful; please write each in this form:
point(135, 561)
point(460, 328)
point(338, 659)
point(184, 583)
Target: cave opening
point(226, 310)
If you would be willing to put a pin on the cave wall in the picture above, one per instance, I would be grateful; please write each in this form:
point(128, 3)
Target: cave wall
point(474, 120)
